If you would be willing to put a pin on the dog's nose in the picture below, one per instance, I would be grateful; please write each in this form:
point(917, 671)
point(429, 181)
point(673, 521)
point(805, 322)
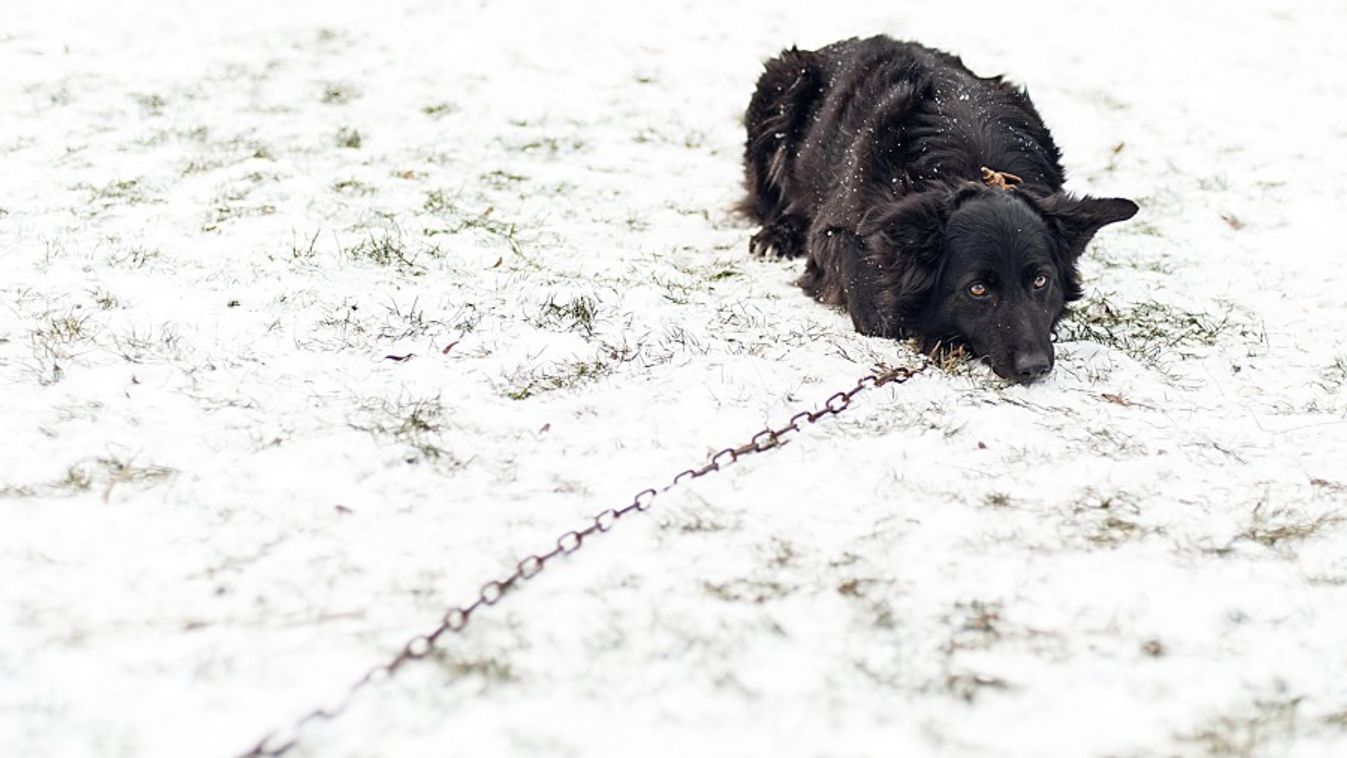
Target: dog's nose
point(1031, 365)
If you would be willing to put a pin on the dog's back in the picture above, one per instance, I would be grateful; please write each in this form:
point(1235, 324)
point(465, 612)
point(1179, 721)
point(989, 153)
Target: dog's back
point(861, 116)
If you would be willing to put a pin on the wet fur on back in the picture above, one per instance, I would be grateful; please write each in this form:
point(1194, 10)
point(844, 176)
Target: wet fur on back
point(859, 155)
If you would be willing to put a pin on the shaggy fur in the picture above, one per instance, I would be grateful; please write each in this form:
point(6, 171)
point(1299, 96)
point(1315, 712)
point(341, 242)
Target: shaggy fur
point(866, 157)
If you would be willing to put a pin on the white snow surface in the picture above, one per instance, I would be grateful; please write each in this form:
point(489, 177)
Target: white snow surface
point(221, 503)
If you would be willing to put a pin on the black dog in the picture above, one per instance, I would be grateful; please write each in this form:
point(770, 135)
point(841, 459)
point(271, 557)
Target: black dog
point(928, 199)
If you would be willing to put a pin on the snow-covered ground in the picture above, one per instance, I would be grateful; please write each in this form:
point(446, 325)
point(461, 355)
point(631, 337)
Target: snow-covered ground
point(220, 502)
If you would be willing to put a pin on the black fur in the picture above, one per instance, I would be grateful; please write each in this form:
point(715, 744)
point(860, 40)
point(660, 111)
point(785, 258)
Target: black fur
point(866, 157)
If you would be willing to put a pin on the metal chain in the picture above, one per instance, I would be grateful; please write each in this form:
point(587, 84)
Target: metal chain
point(278, 743)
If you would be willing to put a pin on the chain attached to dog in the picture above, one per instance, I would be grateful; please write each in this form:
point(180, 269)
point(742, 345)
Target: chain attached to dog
point(999, 179)
point(278, 743)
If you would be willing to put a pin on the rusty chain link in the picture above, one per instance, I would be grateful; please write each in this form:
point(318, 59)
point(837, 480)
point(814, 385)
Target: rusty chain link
point(279, 743)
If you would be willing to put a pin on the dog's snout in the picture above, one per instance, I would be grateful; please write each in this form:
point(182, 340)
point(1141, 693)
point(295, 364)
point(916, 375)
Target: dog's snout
point(1031, 365)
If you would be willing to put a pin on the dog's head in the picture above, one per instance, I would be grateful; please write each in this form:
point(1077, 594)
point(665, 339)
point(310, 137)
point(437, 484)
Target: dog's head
point(990, 268)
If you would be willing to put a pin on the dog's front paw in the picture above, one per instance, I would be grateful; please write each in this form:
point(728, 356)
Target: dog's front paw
point(776, 241)
point(761, 244)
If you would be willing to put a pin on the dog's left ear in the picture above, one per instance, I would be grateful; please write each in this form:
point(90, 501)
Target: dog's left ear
point(1076, 219)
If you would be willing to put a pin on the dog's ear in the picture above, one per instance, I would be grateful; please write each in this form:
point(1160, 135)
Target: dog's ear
point(910, 229)
point(1075, 220)
point(904, 246)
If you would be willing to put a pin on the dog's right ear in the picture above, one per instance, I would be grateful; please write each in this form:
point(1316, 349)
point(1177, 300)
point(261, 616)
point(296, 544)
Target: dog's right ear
point(904, 246)
point(912, 228)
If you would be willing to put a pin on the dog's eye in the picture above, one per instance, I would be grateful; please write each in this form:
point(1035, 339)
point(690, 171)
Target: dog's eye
point(977, 289)
point(1040, 282)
